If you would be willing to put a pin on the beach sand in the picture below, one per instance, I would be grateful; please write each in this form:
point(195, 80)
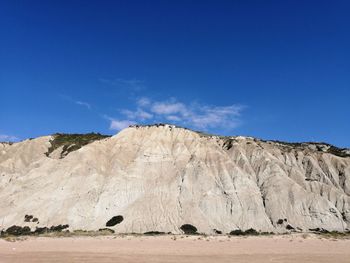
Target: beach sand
point(284, 248)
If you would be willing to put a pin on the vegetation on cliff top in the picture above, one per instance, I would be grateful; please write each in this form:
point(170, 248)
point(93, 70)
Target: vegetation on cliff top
point(228, 141)
point(72, 142)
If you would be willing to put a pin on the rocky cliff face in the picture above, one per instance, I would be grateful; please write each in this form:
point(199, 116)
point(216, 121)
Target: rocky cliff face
point(159, 178)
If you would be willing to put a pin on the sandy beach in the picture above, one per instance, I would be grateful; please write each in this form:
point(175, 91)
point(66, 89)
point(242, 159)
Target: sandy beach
point(288, 248)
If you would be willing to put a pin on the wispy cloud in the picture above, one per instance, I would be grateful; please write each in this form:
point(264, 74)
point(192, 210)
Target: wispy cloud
point(194, 115)
point(82, 103)
point(132, 84)
point(171, 110)
point(139, 114)
point(169, 107)
point(77, 102)
point(7, 138)
point(144, 101)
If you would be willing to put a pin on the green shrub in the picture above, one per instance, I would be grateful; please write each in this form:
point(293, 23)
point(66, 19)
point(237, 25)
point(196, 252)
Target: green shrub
point(72, 142)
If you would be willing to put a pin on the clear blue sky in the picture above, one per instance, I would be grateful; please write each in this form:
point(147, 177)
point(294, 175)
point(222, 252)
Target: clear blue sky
point(269, 69)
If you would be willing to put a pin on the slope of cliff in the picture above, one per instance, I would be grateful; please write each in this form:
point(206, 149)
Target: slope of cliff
point(165, 178)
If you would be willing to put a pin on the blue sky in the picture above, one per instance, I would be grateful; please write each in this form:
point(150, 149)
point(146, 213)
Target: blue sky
point(269, 69)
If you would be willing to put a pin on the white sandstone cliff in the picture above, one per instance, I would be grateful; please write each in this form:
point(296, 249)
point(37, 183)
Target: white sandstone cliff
point(161, 177)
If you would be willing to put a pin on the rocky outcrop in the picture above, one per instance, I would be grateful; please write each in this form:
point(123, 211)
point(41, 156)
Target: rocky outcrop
point(161, 178)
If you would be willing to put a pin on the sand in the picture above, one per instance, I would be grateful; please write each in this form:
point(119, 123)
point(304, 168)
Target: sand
point(176, 249)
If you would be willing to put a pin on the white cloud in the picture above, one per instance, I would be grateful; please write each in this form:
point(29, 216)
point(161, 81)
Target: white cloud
point(193, 115)
point(139, 114)
point(169, 107)
point(7, 138)
point(142, 102)
point(120, 124)
point(82, 103)
point(213, 116)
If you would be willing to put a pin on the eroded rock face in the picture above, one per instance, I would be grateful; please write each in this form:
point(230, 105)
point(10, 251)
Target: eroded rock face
point(159, 178)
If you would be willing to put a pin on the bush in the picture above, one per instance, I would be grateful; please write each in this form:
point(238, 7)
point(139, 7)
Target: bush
point(189, 229)
point(114, 221)
point(248, 232)
point(18, 230)
point(218, 232)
